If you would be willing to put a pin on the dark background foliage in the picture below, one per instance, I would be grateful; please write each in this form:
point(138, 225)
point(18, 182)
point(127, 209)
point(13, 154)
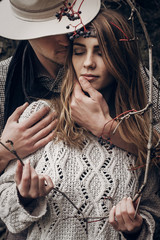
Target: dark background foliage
point(150, 12)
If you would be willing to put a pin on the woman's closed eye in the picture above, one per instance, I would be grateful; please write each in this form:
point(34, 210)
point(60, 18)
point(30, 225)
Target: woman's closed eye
point(78, 51)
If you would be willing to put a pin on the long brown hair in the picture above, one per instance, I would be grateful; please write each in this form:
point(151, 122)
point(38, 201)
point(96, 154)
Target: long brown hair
point(121, 56)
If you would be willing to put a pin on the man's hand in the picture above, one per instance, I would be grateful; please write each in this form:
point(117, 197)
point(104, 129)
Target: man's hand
point(28, 136)
point(91, 111)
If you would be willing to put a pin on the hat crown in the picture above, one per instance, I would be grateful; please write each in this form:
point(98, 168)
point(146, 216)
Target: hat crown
point(36, 10)
point(30, 19)
point(36, 5)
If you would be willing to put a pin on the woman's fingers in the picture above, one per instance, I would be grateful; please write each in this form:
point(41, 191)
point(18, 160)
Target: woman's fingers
point(130, 209)
point(122, 217)
point(45, 185)
point(24, 185)
point(112, 219)
point(18, 174)
point(34, 186)
point(119, 213)
point(31, 185)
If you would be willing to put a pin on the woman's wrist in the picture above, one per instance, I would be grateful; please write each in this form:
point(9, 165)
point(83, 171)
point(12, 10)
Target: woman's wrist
point(24, 201)
point(132, 235)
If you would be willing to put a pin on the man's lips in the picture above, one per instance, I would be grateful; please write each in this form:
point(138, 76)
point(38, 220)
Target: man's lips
point(89, 77)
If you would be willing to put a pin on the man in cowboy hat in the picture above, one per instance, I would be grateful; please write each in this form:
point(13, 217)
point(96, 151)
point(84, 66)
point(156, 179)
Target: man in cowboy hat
point(36, 69)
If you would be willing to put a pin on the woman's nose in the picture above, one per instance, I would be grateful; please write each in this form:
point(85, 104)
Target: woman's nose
point(89, 62)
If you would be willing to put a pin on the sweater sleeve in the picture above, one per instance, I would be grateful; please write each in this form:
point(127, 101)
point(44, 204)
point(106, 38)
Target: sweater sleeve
point(156, 98)
point(3, 73)
point(149, 207)
point(14, 215)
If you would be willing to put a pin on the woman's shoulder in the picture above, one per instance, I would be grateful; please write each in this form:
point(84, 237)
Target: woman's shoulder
point(34, 107)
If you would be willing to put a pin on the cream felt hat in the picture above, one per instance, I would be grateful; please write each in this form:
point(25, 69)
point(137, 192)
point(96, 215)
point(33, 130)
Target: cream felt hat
point(29, 19)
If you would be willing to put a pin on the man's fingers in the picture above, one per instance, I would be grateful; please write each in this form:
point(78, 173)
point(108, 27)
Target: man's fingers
point(87, 87)
point(17, 113)
point(44, 132)
point(44, 124)
point(77, 91)
point(42, 142)
point(36, 117)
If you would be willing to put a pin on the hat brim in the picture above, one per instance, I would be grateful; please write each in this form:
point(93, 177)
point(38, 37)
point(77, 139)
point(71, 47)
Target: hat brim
point(18, 29)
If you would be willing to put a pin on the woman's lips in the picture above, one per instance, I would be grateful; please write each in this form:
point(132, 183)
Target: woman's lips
point(89, 77)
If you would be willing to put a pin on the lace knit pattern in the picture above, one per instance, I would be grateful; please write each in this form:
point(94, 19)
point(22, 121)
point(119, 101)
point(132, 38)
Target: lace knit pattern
point(94, 178)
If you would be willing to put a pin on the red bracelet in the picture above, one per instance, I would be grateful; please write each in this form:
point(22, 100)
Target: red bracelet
point(116, 118)
point(105, 126)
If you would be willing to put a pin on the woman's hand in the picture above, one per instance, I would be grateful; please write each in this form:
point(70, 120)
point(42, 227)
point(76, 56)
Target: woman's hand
point(30, 184)
point(122, 217)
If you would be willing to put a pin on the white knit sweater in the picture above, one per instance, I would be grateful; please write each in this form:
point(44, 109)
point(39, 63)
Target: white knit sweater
point(94, 178)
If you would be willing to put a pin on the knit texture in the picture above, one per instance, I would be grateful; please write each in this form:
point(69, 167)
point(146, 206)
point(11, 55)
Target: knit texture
point(3, 73)
point(94, 178)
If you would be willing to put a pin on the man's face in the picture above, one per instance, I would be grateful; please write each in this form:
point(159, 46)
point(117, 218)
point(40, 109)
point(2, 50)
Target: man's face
point(51, 49)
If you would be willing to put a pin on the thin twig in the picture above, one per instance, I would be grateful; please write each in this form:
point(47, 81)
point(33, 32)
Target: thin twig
point(142, 111)
point(149, 145)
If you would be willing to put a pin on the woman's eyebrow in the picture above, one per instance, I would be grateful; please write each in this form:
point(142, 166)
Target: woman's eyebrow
point(78, 44)
point(83, 45)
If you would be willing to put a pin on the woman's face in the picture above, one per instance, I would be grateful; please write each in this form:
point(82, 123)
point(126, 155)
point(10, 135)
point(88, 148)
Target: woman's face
point(88, 62)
